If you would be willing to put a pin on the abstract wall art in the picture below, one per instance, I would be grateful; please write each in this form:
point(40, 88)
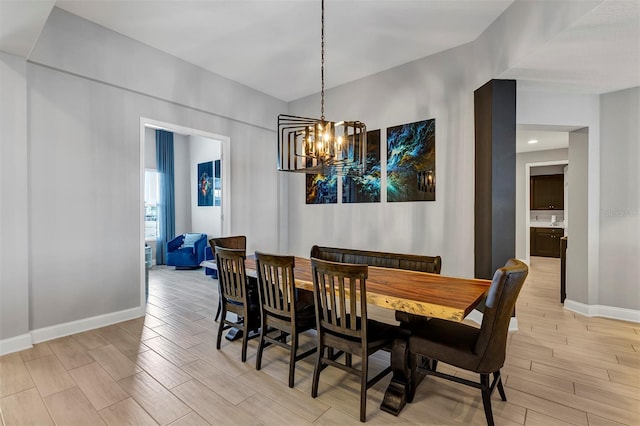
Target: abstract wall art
point(365, 188)
point(217, 184)
point(205, 184)
point(321, 189)
point(411, 162)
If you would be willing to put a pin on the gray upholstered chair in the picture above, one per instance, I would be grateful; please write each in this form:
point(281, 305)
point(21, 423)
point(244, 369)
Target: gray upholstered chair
point(480, 350)
point(283, 310)
point(340, 296)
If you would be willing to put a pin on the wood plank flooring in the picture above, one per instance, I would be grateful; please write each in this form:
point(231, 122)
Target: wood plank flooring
point(561, 369)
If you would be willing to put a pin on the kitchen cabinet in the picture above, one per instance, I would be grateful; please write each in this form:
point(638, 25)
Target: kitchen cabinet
point(546, 241)
point(547, 192)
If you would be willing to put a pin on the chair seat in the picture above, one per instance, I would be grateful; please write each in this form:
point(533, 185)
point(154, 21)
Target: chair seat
point(446, 340)
point(305, 316)
point(378, 333)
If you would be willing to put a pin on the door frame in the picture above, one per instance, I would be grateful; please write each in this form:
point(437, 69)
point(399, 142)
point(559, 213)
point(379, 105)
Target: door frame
point(225, 163)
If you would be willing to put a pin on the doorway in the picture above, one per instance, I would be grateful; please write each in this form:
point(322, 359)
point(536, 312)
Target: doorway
point(191, 147)
point(566, 156)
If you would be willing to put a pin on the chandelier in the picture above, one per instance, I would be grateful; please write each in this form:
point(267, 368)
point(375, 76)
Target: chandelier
point(312, 146)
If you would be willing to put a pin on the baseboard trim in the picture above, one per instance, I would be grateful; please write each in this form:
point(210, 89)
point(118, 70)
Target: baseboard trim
point(26, 341)
point(15, 344)
point(622, 314)
point(73, 327)
point(476, 316)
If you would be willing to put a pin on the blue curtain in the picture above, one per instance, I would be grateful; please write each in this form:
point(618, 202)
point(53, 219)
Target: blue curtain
point(166, 201)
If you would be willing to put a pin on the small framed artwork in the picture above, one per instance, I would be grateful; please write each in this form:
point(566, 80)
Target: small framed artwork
point(205, 184)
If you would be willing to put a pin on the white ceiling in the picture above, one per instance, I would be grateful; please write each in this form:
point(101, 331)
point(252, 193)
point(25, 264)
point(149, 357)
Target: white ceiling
point(274, 46)
point(547, 139)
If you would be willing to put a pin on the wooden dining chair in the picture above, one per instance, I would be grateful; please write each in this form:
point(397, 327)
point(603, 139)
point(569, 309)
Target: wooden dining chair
point(234, 293)
point(235, 242)
point(480, 350)
point(340, 295)
point(282, 311)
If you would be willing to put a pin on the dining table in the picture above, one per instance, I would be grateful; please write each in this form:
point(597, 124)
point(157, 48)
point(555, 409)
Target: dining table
point(420, 293)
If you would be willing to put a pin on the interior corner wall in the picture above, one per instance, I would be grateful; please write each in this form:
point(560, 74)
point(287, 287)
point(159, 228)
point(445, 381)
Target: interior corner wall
point(522, 159)
point(83, 127)
point(620, 199)
point(14, 213)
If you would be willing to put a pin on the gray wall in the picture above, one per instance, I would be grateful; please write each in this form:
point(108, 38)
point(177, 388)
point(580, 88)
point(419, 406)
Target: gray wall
point(14, 212)
point(578, 242)
point(182, 182)
point(620, 199)
point(441, 87)
point(86, 95)
point(547, 170)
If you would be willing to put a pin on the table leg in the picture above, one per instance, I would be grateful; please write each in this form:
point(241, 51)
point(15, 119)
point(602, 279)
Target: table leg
point(405, 378)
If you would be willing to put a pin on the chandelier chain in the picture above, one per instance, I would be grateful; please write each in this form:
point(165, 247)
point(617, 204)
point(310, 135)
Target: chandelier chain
point(322, 64)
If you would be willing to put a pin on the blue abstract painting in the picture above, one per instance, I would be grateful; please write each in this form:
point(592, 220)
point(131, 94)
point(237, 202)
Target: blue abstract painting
point(411, 162)
point(205, 184)
point(365, 188)
point(217, 184)
point(322, 189)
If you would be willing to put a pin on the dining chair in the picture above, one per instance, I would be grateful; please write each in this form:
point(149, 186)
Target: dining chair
point(234, 294)
point(340, 295)
point(480, 350)
point(234, 242)
point(282, 310)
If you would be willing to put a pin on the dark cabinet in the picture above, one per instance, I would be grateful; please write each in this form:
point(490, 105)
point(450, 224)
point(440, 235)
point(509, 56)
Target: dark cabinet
point(546, 241)
point(547, 192)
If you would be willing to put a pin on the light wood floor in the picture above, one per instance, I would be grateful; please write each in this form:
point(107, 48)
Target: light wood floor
point(561, 368)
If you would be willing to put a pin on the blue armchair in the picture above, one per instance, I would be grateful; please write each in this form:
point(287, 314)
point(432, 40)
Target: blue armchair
point(186, 251)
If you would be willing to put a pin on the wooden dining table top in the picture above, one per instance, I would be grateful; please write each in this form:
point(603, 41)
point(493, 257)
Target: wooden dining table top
point(420, 293)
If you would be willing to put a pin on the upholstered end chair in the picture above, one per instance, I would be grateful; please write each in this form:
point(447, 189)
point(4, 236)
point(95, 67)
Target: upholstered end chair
point(479, 350)
point(186, 251)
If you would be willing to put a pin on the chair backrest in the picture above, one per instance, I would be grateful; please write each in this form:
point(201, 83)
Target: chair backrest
point(411, 262)
point(235, 242)
point(231, 274)
point(340, 297)
point(276, 284)
point(501, 300)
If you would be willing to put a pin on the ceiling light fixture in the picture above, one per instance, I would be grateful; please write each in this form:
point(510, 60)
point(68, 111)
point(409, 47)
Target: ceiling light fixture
point(310, 145)
point(532, 141)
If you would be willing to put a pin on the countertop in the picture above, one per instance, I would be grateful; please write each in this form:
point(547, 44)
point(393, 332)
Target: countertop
point(546, 225)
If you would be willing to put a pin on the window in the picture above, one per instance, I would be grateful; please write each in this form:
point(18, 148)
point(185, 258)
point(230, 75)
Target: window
point(151, 178)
